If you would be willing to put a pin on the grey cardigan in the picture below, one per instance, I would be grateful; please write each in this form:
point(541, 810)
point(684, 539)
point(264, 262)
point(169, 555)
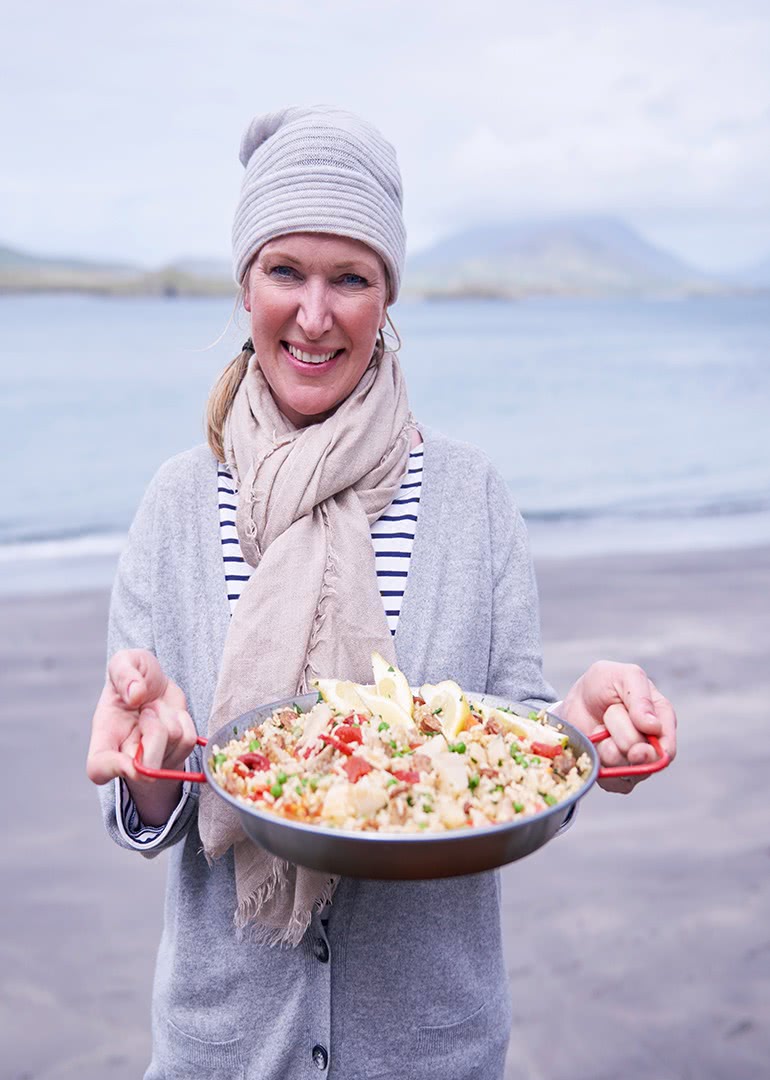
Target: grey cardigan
point(408, 981)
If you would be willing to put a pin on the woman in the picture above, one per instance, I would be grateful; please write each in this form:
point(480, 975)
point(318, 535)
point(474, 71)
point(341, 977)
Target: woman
point(313, 454)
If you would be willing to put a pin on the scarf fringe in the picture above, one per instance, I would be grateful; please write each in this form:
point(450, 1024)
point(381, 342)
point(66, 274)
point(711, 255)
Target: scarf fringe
point(248, 907)
point(246, 915)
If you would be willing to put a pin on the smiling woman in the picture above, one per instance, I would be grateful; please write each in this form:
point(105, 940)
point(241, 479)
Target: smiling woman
point(345, 528)
point(316, 304)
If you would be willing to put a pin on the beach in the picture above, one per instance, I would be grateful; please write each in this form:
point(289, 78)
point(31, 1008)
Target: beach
point(637, 944)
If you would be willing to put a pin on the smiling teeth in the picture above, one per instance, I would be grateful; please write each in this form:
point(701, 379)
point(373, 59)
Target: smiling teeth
point(311, 358)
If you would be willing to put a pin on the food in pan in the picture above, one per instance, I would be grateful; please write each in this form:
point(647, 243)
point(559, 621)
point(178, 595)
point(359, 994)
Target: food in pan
point(380, 759)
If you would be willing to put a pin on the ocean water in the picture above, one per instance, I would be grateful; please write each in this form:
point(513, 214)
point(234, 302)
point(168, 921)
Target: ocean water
point(619, 426)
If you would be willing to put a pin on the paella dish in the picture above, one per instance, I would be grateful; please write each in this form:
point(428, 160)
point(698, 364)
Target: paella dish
point(382, 758)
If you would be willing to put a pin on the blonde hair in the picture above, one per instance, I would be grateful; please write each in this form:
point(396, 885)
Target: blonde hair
point(226, 387)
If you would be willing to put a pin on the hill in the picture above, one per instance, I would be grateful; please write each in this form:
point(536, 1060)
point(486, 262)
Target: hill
point(581, 256)
point(21, 271)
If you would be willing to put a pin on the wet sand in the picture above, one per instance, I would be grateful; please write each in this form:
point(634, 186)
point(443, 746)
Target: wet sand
point(638, 944)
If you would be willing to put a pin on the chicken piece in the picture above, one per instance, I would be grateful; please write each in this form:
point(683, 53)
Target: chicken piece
point(426, 720)
point(287, 718)
point(563, 763)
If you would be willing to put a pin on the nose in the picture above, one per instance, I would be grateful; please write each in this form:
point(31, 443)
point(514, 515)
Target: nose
point(315, 317)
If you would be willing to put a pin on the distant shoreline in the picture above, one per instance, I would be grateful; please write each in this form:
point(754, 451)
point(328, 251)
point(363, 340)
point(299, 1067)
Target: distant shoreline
point(171, 285)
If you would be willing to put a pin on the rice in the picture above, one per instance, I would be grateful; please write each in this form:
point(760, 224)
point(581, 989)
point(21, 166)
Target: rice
point(354, 772)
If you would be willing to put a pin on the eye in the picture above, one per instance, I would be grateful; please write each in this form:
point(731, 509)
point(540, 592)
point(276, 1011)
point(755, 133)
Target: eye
point(283, 273)
point(355, 280)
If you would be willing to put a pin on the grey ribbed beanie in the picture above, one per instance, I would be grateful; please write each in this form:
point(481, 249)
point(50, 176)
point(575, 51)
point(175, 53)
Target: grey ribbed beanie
point(319, 169)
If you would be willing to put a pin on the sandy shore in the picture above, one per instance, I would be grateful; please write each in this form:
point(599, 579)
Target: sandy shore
point(638, 945)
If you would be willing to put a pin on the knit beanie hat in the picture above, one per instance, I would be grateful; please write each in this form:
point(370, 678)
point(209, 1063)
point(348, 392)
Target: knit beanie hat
point(319, 169)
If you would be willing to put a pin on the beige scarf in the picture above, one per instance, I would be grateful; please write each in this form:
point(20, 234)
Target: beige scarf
point(312, 606)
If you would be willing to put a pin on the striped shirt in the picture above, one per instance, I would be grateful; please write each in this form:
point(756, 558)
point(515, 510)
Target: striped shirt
point(393, 539)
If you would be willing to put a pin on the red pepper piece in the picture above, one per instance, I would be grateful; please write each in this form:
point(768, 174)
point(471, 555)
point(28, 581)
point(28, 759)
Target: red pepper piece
point(356, 767)
point(330, 740)
point(349, 734)
point(545, 749)
point(408, 776)
point(356, 718)
point(418, 700)
point(255, 761)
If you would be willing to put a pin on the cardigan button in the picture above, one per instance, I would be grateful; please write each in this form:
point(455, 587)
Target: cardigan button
point(320, 1056)
point(321, 950)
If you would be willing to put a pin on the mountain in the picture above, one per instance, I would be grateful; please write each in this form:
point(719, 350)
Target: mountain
point(21, 271)
point(14, 259)
point(584, 256)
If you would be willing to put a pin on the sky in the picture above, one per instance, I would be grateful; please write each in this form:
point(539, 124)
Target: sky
point(122, 120)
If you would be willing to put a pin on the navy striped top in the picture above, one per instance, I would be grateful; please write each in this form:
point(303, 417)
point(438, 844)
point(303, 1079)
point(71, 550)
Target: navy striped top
point(392, 537)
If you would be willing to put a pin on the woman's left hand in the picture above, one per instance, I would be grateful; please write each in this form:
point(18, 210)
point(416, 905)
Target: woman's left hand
point(624, 700)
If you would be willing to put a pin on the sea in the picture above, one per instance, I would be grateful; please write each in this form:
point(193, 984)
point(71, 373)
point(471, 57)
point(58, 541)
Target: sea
point(628, 425)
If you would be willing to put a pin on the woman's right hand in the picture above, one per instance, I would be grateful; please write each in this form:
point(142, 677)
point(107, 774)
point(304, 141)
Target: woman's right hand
point(138, 702)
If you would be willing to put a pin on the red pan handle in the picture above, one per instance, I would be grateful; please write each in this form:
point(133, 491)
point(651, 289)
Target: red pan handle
point(169, 774)
point(663, 759)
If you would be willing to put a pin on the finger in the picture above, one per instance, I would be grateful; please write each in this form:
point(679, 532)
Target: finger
point(667, 715)
point(109, 726)
point(154, 735)
point(609, 754)
point(643, 753)
point(105, 765)
point(621, 729)
point(635, 691)
point(189, 738)
point(136, 677)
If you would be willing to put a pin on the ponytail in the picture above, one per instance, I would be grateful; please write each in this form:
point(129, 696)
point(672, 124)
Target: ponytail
point(221, 399)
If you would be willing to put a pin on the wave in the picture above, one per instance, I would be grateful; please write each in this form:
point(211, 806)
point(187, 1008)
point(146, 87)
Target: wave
point(656, 510)
point(62, 547)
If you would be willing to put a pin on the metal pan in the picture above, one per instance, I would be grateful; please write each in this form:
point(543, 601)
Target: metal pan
point(397, 856)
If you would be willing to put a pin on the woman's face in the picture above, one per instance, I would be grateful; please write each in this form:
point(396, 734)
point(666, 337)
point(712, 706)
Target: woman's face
point(316, 304)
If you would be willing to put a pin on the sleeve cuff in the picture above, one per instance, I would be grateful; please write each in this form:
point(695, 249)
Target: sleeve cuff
point(130, 826)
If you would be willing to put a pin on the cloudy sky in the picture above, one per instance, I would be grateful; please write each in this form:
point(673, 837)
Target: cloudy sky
point(122, 120)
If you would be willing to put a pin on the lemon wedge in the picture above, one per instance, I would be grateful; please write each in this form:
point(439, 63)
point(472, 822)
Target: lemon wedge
point(528, 729)
point(447, 701)
point(386, 709)
point(391, 683)
point(343, 696)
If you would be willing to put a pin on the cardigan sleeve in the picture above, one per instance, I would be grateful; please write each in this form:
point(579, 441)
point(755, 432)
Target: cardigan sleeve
point(516, 660)
point(131, 627)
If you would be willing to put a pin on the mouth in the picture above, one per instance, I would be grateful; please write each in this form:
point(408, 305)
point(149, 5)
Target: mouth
point(311, 361)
